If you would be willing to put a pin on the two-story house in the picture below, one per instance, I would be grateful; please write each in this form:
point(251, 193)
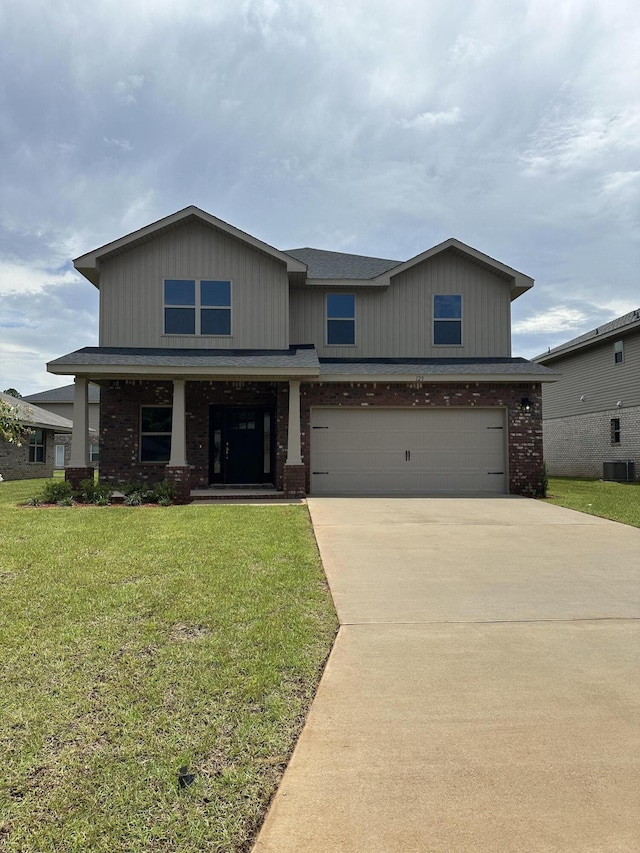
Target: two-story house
point(592, 414)
point(222, 360)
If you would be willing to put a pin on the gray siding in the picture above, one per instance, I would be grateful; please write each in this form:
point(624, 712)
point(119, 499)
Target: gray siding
point(397, 321)
point(65, 410)
point(131, 291)
point(593, 374)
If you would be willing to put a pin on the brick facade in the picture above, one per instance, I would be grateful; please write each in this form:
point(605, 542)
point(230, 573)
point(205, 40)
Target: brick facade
point(120, 429)
point(120, 425)
point(577, 446)
point(14, 461)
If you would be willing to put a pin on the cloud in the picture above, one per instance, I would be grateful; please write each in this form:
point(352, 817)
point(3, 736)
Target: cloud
point(20, 278)
point(428, 120)
point(125, 90)
point(119, 143)
point(556, 320)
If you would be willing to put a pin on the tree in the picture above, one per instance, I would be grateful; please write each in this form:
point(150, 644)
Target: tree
point(12, 393)
point(10, 427)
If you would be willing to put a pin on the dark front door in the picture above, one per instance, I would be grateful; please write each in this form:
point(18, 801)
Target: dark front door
point(241, 444)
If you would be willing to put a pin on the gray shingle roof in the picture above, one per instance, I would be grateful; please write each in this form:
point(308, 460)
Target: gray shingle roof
point(165, 357)
point(62, 395)
point(31, 415)
point(632, 319)
point(434, 366)
point(323, 264)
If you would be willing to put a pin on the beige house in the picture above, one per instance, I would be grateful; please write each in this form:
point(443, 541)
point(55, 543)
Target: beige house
point(592, 414)
point(35, 457)
point(223, 361)
point(60, 402)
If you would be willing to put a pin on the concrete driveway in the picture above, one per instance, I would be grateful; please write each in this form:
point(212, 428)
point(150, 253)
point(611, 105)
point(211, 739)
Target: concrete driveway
point(483, 693)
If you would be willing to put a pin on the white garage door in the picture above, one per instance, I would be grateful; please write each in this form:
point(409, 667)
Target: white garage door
point(408, 451)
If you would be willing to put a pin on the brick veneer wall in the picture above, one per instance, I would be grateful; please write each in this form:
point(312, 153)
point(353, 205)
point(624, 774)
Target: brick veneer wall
point(524, 429)
point(65, 440)
point(577, 446)
point(14, 461)
point(120, 424)
point(120, 412)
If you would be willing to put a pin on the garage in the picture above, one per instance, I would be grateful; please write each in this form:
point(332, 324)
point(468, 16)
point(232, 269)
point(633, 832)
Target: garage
point(404, 451)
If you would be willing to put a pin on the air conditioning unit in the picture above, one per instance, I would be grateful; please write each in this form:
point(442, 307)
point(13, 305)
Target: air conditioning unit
point(619, 471)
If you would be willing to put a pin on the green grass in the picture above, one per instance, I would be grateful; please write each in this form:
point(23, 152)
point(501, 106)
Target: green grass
point(617, 501)
point(138, 640)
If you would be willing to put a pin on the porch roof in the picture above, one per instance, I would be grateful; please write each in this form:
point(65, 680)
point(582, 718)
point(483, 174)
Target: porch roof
point(168, 362)
point(435, 370)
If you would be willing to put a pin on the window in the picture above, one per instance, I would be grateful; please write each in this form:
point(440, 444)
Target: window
point(94, 452)
point(447, 320)
point(197, 307)
point(59, 455)
point(615, 430)
point(618, 352)
point(36, 446)
point(155, 433)
point(341, 319)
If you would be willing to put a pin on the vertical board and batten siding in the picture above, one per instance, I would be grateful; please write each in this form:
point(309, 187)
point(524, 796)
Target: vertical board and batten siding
point(132, 299)
point(397, 321)
point(593, 374)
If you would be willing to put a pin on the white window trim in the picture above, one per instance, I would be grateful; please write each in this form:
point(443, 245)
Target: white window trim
point(353, 319)
point(197, 308)
point(435, 320)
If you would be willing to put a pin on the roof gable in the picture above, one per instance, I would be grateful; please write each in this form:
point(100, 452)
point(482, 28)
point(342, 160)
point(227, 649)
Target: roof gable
point(89, 264)
point(519, 282)
point(627, 323)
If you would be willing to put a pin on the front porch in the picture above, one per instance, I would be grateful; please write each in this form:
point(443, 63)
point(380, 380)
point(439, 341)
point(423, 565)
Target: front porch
point(217, 439)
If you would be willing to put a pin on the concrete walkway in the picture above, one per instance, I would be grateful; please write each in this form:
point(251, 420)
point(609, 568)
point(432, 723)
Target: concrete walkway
point(483, 693)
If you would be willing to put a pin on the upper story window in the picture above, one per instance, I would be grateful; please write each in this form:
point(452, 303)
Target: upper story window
point(447, 320)
point(197, 307)
point(341, 319)
point(618, 352)
point(36, 446)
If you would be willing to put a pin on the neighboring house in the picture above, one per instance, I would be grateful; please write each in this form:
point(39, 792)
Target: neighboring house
point(35, 456)
point(592, 414)
point(223, 361)
point(60, 402)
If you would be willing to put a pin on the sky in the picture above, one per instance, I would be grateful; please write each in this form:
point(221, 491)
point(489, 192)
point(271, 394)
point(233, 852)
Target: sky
point(367, 126)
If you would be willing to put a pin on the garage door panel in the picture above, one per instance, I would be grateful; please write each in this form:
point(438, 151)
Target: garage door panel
point(408, 451)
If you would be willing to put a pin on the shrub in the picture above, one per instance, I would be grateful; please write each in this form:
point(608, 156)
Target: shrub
point(91, 492)
point(55, 491)
point(143, 493)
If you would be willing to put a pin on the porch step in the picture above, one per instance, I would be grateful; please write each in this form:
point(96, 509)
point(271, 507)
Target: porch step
point(236, 493)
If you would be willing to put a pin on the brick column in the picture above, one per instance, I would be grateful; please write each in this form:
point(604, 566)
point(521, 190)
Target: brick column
point(294, 481)
point(180, 478)
point(76, 475)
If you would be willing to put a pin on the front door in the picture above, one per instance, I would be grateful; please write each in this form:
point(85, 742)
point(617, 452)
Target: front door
point(241, 445)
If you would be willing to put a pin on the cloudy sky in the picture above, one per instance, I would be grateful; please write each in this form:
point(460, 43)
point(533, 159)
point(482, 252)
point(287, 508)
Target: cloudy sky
point(377, 127)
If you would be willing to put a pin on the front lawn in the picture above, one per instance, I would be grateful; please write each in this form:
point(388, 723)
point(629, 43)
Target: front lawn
point(617, 501)
point(138, 641)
